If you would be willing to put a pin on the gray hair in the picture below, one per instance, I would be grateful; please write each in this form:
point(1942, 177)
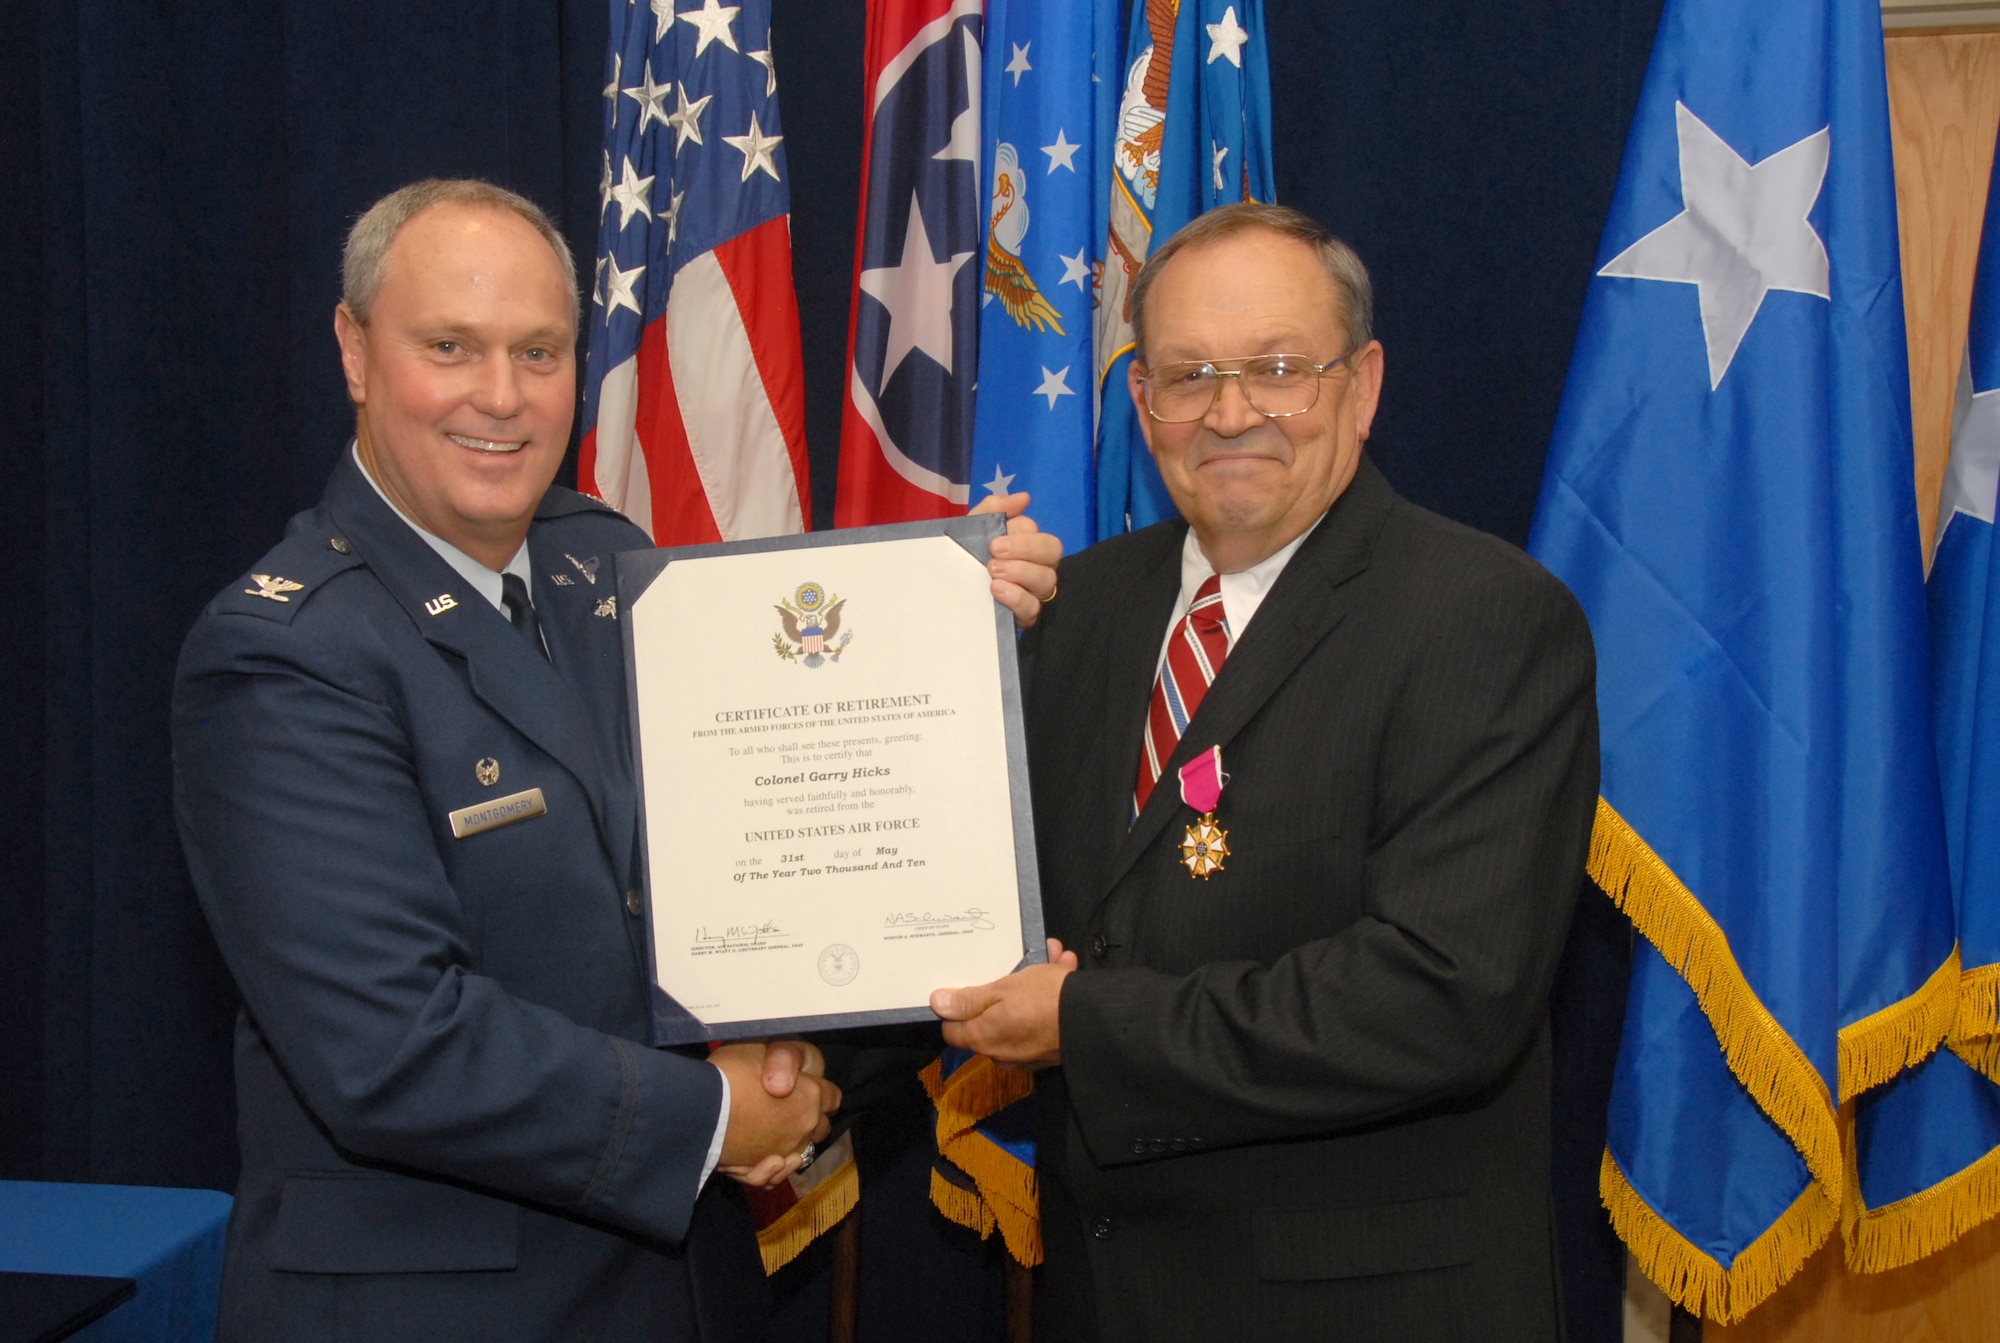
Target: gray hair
point(368, 241)
point(1342, 265)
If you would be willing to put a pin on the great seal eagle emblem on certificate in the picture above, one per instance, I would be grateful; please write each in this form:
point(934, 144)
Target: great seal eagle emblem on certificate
point(812, 634)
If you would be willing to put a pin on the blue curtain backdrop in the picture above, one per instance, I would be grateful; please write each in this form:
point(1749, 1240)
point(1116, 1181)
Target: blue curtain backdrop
point(178, 179)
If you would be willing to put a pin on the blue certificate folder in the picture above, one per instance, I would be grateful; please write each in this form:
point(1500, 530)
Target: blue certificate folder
point(797, 634)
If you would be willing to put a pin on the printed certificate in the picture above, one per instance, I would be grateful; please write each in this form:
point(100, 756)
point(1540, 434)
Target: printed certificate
point(832, 777)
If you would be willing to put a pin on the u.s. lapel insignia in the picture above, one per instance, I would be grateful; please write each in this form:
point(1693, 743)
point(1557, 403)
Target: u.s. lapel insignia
point(1206, 844)
point(487, 772)
point(608, 607)
point(274, 587)
point(588, 568)
point(441, 603)
point(1205, 847)
point(562, 580)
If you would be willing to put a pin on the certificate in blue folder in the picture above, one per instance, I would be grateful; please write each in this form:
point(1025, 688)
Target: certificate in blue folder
point(832, 776)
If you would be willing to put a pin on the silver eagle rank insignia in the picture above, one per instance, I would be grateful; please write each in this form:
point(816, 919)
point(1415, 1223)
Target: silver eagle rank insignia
point(273, 587)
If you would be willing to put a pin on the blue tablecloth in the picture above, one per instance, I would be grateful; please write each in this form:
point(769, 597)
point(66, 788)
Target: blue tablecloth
point(167, 1240)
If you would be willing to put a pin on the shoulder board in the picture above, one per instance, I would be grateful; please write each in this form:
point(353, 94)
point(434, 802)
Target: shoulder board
point(561, 503)
point(288, 575)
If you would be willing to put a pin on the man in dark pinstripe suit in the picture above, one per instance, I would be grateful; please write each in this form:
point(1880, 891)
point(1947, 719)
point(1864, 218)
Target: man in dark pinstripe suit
point(1304, 1096)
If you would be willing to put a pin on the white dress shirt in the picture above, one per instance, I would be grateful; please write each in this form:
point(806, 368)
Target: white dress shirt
point(1242, 592)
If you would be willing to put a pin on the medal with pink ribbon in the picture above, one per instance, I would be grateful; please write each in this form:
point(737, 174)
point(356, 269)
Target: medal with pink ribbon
point(1206, 844)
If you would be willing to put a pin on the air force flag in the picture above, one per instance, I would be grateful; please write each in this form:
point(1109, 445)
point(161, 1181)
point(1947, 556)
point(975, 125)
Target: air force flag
point(1730, 495)
point(1193, 132)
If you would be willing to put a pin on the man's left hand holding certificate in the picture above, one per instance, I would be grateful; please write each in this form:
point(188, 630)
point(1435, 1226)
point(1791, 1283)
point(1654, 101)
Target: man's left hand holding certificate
point(833, 781)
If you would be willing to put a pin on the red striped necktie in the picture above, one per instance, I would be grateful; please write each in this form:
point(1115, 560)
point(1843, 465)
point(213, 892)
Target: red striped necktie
point(1195, 651)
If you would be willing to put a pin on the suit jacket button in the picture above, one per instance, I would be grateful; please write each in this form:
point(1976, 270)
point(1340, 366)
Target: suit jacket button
point(340, 546)
point(1179, 1144)
point(1138, 1147)
point(1159, 1145)
point(1098, 946)
point(1196, 1144)
point(634, 906)
point(1101, 1228)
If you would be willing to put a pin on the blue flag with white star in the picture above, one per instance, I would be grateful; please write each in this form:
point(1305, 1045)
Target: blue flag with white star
point(1192, 131)
point(1965, 623)
point(1050, 67)
point(1730, 495)
point(1927, 1146)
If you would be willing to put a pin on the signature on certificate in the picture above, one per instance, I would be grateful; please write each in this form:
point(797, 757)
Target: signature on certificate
point(974, 917)
point(738, 935)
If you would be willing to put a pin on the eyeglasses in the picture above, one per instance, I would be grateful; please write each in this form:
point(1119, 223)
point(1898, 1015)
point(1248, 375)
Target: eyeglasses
point(1275, 385)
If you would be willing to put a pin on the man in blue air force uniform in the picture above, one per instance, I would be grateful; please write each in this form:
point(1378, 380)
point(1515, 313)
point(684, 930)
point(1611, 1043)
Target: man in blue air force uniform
point(404, 789)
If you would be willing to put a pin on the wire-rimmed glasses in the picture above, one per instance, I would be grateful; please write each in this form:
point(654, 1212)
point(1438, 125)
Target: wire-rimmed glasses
point(1275, 385)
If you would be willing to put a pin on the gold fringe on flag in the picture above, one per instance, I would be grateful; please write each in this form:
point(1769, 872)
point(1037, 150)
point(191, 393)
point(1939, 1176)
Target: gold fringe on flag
point(1008, 1198)
point(811, 1217)
point(1900, 1233)
point(1982, 1056)
point(1978, 1006)
point(1691, 1276)
point(962, 1205)
point(1901, 1035)
point(1762, 1055)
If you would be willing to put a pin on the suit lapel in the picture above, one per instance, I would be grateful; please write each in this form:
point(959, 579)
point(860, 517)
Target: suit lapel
point(1132, 645)
point(506, 672)
point(1302, 608)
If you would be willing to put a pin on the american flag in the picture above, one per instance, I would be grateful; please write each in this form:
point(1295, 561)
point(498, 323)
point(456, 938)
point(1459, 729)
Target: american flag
point(694, 410)
point(913, 342)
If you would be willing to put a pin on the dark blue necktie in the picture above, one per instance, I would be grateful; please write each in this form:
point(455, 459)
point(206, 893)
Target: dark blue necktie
point(522, 611)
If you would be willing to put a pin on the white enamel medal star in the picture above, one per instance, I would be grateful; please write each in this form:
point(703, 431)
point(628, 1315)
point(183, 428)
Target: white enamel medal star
point(1205, 847)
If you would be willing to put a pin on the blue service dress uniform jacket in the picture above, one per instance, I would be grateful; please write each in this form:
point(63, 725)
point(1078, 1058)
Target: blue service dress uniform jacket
point(450, 1125)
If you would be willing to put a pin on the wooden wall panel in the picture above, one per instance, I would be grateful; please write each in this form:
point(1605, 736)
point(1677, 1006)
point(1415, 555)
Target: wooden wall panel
point(1944, 107)
point(1951, 1297)
point(1944, 100)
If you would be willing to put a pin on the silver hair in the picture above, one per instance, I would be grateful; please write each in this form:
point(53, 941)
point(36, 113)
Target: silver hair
point(1342, 265)
point(368, 241)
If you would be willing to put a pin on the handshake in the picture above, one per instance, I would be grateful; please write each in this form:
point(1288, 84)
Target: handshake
point(779, 1095)
point(779, 1100)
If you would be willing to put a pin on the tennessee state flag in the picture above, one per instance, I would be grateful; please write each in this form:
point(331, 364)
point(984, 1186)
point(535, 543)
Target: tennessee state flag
point(694, 404)
point(1730, 494)
point(913, 328)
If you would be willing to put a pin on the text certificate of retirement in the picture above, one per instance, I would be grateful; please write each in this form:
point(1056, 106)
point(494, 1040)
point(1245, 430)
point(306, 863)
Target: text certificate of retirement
point(832, 777)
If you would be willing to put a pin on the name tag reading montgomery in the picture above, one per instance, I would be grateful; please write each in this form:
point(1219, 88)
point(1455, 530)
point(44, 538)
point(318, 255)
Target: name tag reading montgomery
point(469, 821)
point(827, 738)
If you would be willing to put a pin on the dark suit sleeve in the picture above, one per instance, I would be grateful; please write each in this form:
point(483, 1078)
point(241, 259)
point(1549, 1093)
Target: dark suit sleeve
point(307, 839)
point(1485, 792)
